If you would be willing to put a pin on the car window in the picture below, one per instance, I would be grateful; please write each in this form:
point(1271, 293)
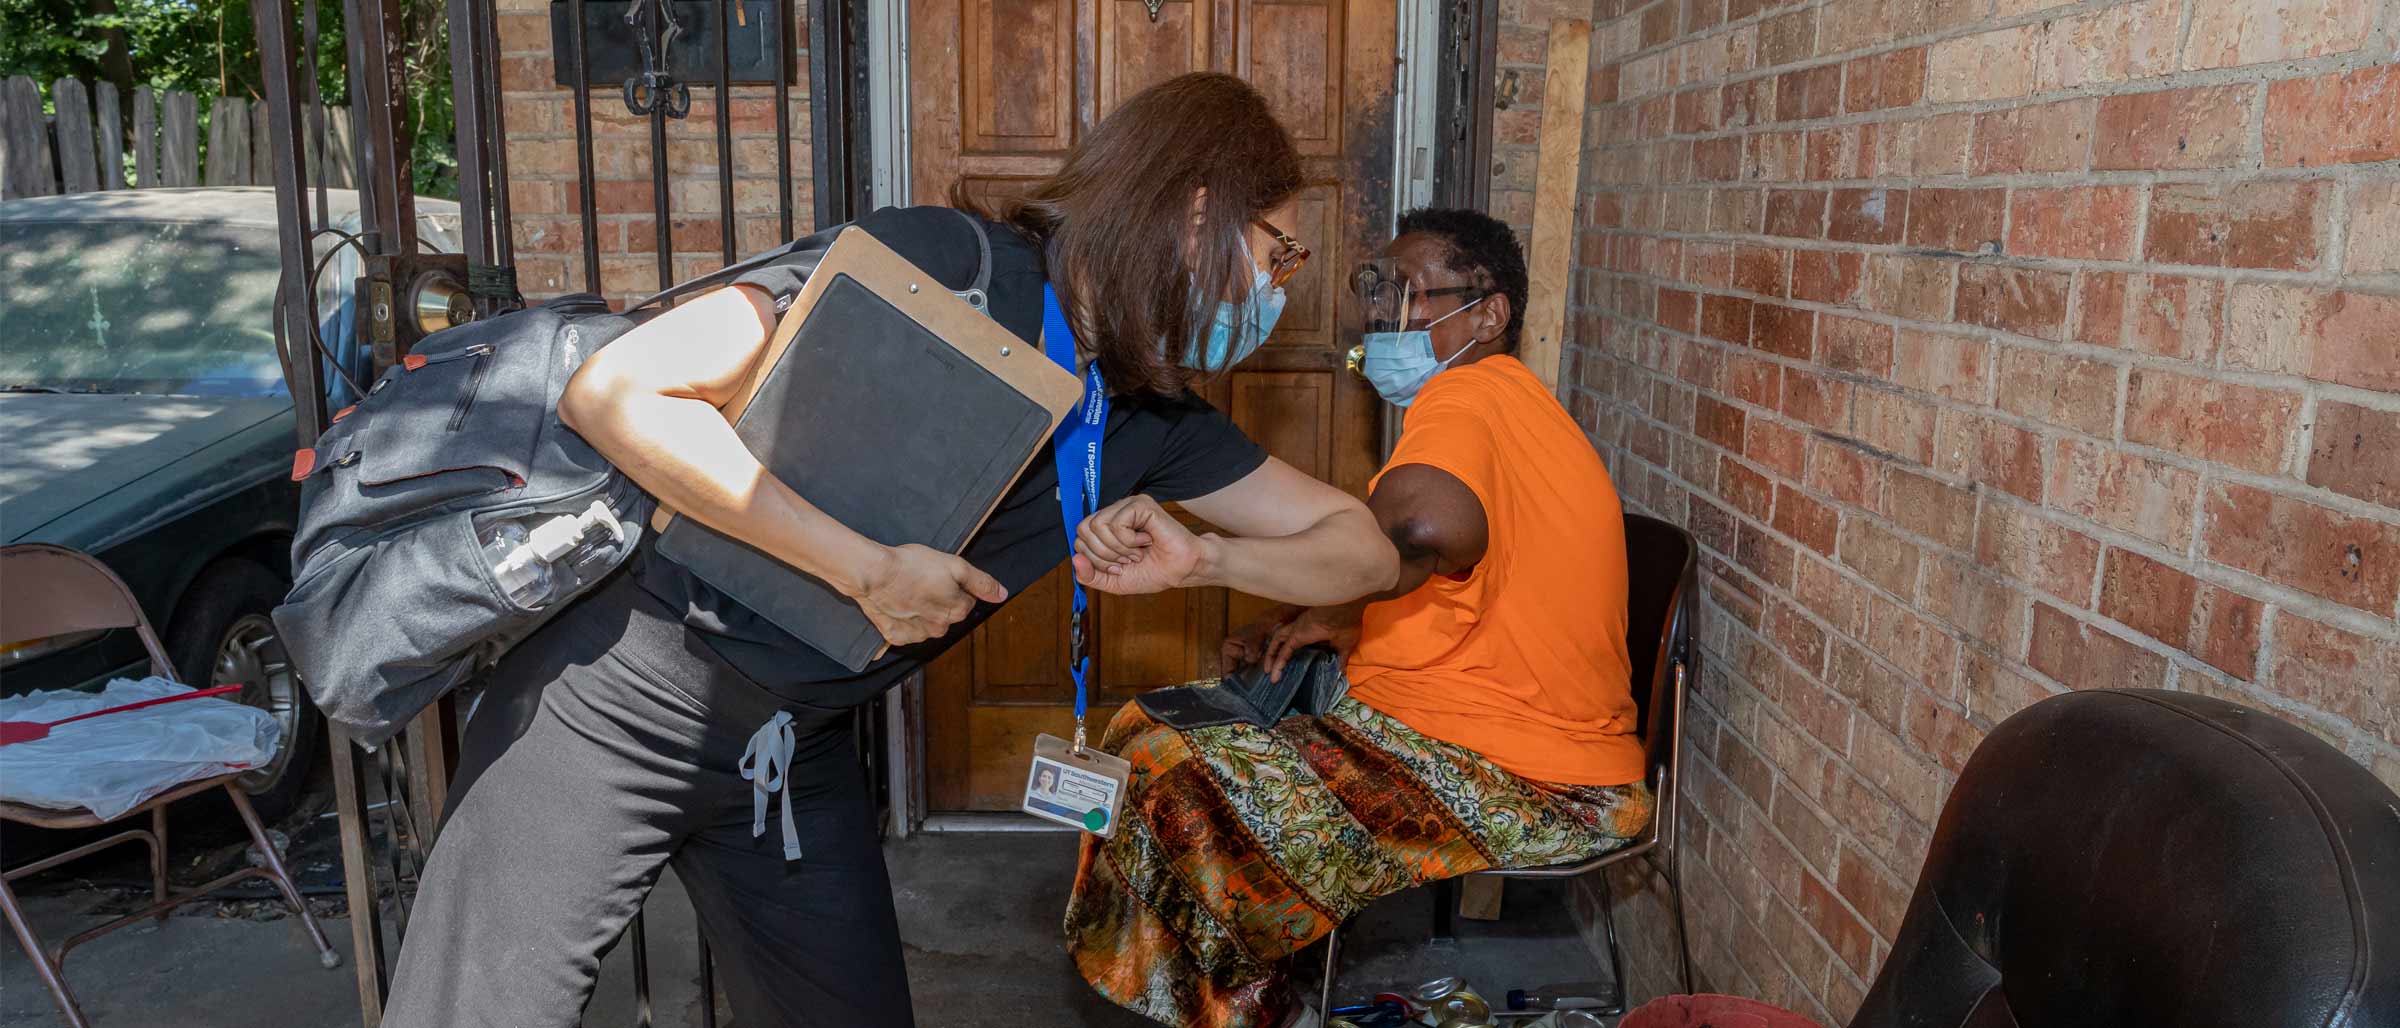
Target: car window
point(133, 307)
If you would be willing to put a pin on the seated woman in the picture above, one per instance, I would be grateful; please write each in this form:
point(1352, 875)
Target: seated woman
point(1489, 721)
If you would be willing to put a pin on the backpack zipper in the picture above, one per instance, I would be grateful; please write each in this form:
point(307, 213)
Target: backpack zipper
point(482, 353)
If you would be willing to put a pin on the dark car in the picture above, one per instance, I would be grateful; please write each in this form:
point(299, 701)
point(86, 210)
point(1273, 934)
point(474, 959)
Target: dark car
point(144, 419)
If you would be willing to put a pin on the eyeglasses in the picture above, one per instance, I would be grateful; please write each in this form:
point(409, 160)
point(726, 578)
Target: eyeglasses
point(1287, 257)
point(1471, 294)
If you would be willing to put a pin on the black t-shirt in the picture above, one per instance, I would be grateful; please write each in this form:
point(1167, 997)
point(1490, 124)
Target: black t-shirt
point(1173, 448)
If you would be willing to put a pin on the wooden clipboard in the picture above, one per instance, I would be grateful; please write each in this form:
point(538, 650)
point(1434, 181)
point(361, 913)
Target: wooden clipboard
point(1027, 394)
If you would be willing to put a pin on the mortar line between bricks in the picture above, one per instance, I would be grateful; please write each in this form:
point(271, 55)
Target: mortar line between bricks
point(2200, 568)
point(2070, 347)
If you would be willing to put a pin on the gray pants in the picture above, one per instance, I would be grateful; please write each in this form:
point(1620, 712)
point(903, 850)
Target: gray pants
point(607, 747)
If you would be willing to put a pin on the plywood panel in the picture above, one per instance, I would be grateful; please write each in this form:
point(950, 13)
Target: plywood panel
point(1550, 260)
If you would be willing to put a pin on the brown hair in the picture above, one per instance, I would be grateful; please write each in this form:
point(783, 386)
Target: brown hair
point(1112, 222)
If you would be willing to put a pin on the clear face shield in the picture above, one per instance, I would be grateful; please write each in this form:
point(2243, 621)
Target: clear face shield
point(1385, 296)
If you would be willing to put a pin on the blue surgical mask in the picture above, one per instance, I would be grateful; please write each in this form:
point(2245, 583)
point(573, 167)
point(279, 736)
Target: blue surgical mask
point(1400, 363)
point(1238, 329)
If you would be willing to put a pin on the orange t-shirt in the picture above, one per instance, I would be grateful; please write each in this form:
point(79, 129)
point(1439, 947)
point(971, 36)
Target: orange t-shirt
point(1523, 660)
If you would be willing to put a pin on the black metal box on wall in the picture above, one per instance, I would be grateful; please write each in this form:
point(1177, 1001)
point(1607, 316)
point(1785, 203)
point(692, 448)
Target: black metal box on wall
point(616, 54)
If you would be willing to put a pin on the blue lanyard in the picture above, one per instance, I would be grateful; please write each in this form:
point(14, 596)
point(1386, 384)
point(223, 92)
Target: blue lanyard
point(1076, 451)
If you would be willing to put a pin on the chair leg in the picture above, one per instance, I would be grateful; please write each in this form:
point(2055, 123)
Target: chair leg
point(1683, 942)
point(1333, 955)
point(158, 858)
point(1616, 953)
point(283, 877)
point(51, 978)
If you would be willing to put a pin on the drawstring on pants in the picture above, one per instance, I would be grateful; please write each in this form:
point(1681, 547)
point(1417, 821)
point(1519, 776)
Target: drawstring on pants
point(767, 764)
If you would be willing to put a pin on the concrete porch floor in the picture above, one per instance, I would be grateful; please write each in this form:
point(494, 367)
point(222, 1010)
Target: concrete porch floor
point(979, 913)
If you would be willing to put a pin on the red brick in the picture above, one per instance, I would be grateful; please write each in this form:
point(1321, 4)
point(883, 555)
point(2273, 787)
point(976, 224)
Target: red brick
point(1725, 317)
point(1831, 593)
point(2260, 224)
point(1811, 93)
point(1840, 929)
point(1815, 400)
point(1678, 310)
point(1853, 345)
point(1931, 508)
point(1956, 367)
point(1868, 215)
point(1788, 331)
point(1895, 79)
point(1658, 23)
point(2175, 317)
point(1719, 423)
point(1979, 604)
point(1745, 489)
point(1777, 448)
point(2027, 301)
point(1758, 269)
point(1966, 220)
point(1917, 288)
point(1940, 732)
point(2095, 222)
point(2374, 228)
point(2339, 672)
point(1893, 422)
point(1849, 670)
point(1808, 522)
point(1712, 526)
point(1826, 276)
point(1878, 897)
point(2204, 127)
point(1986, 66)
point(1740, 210)
point(2340, 337)
point(2045, 137)
point(1846, 152)
point(2081, 656)
point(2000, 455)
point(2357, 452)
point(1841, 472)
point(2349, 560)
point(1753, 381)
point(2147, 596)
point(2225, 631)
point(1708, 264)
point(2041, 553)
point(2117, 44)
point(1799, 213)
point(2239, 426)
point(1799, 639)
point(1699, 15)
point(1717, 160)
point(1892, 766)
point(1764, 555)
point(2060, 389)
point(1742, 104)
point(2132, 494)
point(2236, 32)
point(1880, 556)
point(2100, 314)
point(1786, 39)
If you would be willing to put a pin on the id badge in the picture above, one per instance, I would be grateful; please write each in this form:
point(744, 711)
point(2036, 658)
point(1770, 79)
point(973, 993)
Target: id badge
point(1079, 790)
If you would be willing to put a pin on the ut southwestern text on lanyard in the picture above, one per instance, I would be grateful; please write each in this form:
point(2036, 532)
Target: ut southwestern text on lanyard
point(1076, 450)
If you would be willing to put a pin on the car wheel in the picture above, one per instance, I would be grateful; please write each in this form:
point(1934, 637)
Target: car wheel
point(222, 635)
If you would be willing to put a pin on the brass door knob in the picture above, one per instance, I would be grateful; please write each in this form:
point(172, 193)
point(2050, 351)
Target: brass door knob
point(1356, 360)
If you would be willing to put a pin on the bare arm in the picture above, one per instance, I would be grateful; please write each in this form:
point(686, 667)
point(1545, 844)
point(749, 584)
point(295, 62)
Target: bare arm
point(1293, 539)
point(1435, 523)
point(650, 401)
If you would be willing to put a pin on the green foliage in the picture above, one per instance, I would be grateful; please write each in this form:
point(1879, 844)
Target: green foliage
point(208, 48)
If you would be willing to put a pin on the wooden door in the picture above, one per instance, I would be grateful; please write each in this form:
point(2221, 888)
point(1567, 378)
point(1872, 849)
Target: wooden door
point(1000, 89)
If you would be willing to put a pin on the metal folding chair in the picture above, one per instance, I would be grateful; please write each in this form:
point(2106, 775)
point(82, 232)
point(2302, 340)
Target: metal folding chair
point(77, 594)
point(1663, 576)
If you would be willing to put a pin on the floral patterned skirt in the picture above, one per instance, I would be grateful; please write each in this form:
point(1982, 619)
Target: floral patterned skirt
point(1239, 845)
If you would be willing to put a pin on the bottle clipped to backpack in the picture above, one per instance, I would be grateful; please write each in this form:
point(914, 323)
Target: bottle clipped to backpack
point(536, 563)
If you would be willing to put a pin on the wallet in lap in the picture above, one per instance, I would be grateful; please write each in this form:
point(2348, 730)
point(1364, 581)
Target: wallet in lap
point(1312, 683)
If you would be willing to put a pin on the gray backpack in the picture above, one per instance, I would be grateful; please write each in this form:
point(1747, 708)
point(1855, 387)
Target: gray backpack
point(450, 513)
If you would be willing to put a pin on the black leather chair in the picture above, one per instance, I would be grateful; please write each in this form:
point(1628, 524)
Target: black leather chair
point(2114, 859)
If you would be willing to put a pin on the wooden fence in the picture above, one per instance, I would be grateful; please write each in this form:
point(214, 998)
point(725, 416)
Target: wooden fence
point(84, 145)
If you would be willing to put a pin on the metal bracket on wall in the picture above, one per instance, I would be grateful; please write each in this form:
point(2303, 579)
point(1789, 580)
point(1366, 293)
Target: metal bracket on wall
point(1154, 6)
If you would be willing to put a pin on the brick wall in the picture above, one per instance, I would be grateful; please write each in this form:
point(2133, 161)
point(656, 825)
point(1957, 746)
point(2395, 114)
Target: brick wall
point(544, 194)
point(1991, 348)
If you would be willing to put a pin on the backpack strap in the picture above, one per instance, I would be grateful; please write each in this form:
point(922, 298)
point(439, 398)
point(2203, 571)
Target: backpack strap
point(977, 294)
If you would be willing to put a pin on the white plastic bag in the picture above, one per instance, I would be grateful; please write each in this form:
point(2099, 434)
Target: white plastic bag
point(112, 763)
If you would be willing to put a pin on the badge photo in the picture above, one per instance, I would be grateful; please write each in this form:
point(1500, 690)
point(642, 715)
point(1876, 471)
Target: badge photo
point(1080, 790)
